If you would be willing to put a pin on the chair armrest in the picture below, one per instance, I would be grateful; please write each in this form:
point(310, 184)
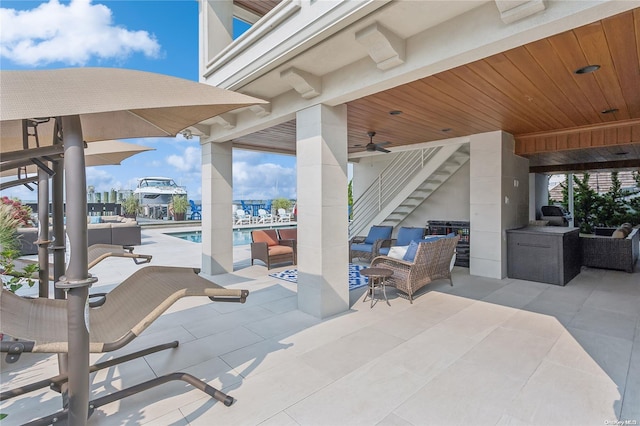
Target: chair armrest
point(357, 240)
point(259, 251)
point(288, 243)
point(378, 244)
point(391, 261)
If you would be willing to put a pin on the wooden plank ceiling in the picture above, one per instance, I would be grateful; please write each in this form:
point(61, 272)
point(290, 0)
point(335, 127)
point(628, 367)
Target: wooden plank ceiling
point(561, 120)
point(259, 7)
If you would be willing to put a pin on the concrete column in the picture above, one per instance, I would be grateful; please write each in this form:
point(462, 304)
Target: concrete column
point(216, 28)
point(217, 198)
point(499, 200)
point(323, 278)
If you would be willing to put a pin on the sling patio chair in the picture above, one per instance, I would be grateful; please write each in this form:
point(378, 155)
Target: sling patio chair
point(40, 325)
point(96, 253)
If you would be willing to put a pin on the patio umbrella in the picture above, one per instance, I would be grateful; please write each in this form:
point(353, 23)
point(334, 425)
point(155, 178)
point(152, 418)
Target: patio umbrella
point(92, 104)
point(100, 153)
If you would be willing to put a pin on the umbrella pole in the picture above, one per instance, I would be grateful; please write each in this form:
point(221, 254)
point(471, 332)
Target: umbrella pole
point(77, 279)
point(43, 233)
point(58, 247)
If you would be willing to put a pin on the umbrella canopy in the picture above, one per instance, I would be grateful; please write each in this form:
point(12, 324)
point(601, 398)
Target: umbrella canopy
point(112, 103)
point(101, 153)
point(95, 104)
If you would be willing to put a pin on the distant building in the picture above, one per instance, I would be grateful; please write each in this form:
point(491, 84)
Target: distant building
point(599, 181)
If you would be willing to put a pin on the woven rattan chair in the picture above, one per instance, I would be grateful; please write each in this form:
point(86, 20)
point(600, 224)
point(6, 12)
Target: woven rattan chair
point(270, 249)
point(41, 324)
point(366, 247)
point(432, 262)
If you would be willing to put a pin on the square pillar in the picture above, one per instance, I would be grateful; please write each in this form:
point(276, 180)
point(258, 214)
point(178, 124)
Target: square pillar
point(323, 278)
point(499, 200)
point(217, 199)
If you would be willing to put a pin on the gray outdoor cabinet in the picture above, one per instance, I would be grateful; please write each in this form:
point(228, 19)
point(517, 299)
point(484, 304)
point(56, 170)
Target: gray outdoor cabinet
point(547, 254)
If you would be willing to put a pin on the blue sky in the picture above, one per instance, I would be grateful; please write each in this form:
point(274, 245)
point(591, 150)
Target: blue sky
point(148, 35)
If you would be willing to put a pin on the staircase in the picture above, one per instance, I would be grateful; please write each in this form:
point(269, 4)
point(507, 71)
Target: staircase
point(404, 184)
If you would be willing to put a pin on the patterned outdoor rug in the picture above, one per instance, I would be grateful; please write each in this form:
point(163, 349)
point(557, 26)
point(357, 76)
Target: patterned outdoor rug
point(355, 279)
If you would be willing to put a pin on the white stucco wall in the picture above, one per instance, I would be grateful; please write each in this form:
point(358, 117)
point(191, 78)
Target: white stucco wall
point(449, 202)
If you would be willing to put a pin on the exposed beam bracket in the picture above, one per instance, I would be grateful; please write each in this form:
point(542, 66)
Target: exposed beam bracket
point(261, 110)
point(385, 47)
point(515, 10)
point(226, 121)
point(308, 85)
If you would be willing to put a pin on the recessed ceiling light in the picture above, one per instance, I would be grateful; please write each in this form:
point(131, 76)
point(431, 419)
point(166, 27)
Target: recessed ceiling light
point(446, 129)
point(395, 112)
point(587, 69)
point(609, 111)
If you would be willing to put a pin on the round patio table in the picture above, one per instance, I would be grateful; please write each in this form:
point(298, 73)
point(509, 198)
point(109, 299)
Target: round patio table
point(377, 277)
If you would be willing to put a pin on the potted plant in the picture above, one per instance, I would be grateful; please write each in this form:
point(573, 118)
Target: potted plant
point(131, 205)
point(180, 205)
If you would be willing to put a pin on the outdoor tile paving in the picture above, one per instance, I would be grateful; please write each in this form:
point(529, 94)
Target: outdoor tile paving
point(494, 352)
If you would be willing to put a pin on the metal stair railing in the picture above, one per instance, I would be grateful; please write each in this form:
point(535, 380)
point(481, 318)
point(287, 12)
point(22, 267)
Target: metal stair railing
point(387, 185)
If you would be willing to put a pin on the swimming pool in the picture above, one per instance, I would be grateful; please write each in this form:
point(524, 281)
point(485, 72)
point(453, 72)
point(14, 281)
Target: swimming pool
point(241, 237)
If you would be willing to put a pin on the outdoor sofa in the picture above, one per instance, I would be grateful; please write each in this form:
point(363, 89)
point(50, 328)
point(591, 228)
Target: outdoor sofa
point(115, 230)
point(604, 251)
point(432, 261)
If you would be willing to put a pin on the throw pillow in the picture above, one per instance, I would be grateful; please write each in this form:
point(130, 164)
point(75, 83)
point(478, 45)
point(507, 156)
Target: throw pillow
point(620, 233)
point(397, 252)
point(411, 252)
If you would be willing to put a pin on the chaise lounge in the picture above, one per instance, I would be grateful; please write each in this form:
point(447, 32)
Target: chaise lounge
point(41, 325)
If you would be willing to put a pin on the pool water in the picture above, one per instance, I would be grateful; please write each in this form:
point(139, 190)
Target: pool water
point(241, 237)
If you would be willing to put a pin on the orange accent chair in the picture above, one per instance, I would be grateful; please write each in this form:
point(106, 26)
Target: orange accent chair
point(267, 247)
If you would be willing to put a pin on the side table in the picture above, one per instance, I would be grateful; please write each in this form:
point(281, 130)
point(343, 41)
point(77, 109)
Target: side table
point(377, 278)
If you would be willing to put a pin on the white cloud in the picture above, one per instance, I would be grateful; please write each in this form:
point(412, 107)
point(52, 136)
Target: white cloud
point(263, 181)
point(188, 162)
point(72, 33)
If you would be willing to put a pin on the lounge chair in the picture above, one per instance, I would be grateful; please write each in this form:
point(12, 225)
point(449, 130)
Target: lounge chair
point(96, 254)
point(195, 211)
point(432, 261)
point(270, 249)
point(404, 238)
point(242, 218)
point(283, 216)
point(41, 324)
point(264, 216)
point(365, 247)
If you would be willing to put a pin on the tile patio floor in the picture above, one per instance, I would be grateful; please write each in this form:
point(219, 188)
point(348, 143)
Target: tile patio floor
point(484, 352)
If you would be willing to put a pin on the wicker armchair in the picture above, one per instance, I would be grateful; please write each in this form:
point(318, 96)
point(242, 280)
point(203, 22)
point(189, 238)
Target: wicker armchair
point(270, 249)
point(602, 251)
point(366, 247)
point(432, 262)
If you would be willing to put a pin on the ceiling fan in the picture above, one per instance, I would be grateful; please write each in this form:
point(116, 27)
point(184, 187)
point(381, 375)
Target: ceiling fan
point(371, 147)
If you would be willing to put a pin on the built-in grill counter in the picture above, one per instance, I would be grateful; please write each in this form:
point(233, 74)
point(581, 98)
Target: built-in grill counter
point(548, 254)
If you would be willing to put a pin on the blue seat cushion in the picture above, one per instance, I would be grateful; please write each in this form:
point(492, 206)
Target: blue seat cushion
point(384, 250)
point(406, 235)
point(411, 251)
point(362, 247)
point(378, 233)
